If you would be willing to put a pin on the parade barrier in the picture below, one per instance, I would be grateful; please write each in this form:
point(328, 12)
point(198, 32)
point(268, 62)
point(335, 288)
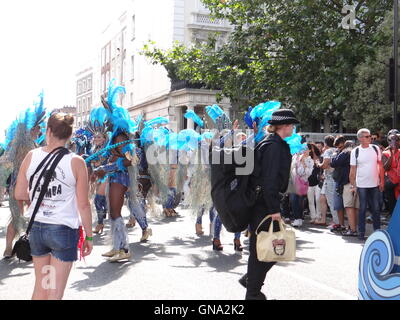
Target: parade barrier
point(379, 270)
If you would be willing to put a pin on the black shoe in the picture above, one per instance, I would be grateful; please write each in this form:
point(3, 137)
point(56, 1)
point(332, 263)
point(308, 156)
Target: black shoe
point(243, 281)
point(259, 296)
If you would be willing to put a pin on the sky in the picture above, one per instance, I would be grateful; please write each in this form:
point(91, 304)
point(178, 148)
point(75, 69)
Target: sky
point(44, 43)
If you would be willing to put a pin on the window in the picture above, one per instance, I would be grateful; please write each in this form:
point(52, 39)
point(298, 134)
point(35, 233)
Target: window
point(103, 82)
point(90, 84)
point(89, 102)
point(132, 67)
point(133, 28)
point(84, 85)
point(79, 106)
point(83, 104)
point(131, 96)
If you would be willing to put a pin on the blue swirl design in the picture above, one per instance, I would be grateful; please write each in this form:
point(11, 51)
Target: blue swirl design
point(376, 282)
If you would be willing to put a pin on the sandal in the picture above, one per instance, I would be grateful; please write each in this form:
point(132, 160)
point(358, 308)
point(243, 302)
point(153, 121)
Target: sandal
point(8, 254)
point(131, 223)
point(167, 212)
point(99, 229)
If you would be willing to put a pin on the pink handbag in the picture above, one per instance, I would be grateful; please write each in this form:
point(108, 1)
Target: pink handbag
point(300, 186)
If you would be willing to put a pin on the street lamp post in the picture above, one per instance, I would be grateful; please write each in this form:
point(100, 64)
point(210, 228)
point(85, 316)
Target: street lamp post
point(396, 58)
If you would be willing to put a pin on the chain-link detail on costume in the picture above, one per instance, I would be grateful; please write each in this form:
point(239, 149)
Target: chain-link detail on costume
point(119, 234)
point(113, 167)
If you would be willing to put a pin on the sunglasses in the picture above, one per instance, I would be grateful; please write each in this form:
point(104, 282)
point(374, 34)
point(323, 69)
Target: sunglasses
point(367, 137)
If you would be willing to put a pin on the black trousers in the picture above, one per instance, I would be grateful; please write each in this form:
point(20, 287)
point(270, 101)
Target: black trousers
point(256, 270)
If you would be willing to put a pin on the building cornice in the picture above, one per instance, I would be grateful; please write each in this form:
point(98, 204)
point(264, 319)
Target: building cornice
point(185, 97)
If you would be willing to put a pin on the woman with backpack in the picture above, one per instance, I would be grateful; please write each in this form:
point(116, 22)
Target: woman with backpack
point(275, 170)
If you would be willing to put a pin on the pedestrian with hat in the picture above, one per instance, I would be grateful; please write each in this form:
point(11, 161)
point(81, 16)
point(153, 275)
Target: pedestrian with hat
point(275, 161)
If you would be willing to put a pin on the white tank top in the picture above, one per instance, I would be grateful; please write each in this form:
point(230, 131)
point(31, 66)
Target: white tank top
point(59, 204)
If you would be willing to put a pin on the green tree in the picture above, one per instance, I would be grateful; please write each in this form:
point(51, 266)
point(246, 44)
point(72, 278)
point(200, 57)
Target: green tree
point(293, 51)
point(369, 107)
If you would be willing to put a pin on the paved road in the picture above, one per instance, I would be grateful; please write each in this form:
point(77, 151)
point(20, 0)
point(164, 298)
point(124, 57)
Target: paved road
point(177, 264)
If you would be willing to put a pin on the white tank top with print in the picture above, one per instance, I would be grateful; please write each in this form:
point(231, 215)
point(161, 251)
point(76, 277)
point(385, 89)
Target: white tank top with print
point(59, 204)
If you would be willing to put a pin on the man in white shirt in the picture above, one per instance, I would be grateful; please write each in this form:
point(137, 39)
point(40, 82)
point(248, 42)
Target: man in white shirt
point(367, 178)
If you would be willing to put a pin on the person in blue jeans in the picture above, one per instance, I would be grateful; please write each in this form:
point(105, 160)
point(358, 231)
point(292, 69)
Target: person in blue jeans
point(217, 235)
point(370, 197)
point(367, 178)
point(199, 220)
point(297, 203)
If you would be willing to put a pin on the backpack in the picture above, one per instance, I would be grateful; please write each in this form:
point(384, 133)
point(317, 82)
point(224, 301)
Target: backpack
point(234, 196)
point(314, 179)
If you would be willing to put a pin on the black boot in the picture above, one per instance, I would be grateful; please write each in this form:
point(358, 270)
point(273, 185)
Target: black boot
point(243, 281)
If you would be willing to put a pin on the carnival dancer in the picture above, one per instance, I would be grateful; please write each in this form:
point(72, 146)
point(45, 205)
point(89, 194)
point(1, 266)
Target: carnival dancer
point(23, 135)
point(81, 142)
point(98, 128)
point(119, 170)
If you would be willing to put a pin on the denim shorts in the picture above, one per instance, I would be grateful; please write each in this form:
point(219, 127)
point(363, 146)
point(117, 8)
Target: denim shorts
point(58, 240)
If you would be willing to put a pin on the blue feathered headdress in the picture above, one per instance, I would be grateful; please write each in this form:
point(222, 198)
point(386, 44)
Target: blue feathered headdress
point(190, 114)
point(261, 114)
point(294, 142)
point(119, 118)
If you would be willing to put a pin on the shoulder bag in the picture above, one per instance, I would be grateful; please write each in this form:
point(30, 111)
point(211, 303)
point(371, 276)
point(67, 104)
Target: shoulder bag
point(22, 248)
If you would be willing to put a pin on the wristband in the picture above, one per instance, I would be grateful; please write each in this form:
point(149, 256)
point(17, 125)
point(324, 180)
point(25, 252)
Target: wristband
point(89, 238)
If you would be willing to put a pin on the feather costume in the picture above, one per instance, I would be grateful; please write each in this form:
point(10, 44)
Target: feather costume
point(19, 142)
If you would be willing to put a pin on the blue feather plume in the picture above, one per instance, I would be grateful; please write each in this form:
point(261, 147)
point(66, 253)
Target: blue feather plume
point(113, 92)
point(190, 114)
point(99, 114)
point(214, 112)
point(294, 142)
point(247, 118)
point(157, 121)
point(264, 110)
point(188, 140)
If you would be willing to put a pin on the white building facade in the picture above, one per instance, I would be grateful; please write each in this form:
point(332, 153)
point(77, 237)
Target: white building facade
point(84, 96)
point(148, 87)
